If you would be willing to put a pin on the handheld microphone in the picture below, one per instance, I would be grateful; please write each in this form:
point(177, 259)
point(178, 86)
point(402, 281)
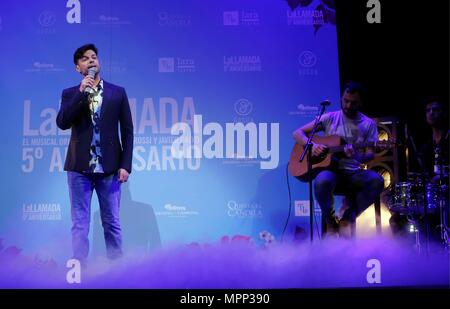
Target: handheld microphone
point(91, 72)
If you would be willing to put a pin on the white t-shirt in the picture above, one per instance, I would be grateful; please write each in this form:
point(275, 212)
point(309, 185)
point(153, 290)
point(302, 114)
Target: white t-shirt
point(362, 129)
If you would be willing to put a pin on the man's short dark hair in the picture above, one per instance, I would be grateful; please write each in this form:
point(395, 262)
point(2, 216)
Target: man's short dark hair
point(444, 108)
point(81, 50)
point(433, 99)
point(354, 87)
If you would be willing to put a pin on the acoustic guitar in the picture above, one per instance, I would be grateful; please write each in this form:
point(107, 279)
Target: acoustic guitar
point(334, 145)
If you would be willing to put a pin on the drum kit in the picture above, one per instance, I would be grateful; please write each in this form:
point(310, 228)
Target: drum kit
point(423, 202)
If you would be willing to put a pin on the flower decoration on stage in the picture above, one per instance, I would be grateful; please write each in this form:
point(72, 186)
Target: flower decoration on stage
point(268, 238)
point(243, 239)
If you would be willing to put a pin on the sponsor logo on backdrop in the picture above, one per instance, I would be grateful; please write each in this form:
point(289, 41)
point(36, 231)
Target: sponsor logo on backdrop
point(241, 18)
point(305, 17)
point(250, 18)
point(43, 67)
point(185, 65)
point(305, 110)
point(46, 20)
point(243, 107)
point(115, 66)
point(241, 210)
point(172, 65)
point(176, 211)
point(166, 65)
point(231, 18)
point(106, 20)
point(41, 212)
point(166, 19)
point(307, 61)
point(242, 64)
point(301, 208)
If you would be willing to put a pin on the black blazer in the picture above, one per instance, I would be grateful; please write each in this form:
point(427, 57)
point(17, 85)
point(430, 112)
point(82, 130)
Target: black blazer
point(74, 113)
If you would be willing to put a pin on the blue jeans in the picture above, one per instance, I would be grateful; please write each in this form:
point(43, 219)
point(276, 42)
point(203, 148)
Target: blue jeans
point(107, 187)
point(362, 186)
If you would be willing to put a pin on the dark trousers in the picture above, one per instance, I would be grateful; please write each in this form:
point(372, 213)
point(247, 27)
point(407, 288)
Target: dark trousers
point(363, 186)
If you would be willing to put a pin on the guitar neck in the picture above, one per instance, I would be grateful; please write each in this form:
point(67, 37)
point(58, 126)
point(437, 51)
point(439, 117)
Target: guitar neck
point(340, 148)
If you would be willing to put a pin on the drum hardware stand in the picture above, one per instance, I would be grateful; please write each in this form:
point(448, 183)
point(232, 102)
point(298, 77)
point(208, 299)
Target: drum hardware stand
point(423, 179)
point(443, 228)
point(417, 234)
point(413, 223)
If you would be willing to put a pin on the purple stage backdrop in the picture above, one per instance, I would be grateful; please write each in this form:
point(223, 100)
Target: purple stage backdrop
point(216, 89)
point(236, 76)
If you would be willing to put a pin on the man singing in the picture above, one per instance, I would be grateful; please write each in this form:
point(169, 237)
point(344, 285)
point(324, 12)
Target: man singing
point(96, 158)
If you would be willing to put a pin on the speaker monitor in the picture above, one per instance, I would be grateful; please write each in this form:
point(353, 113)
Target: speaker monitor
point(390, 163)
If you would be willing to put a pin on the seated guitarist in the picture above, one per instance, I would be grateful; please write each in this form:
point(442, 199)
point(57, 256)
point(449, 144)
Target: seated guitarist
point(361, 186)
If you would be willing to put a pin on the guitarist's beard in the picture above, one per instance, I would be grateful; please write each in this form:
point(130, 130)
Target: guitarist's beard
point(350, 113)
